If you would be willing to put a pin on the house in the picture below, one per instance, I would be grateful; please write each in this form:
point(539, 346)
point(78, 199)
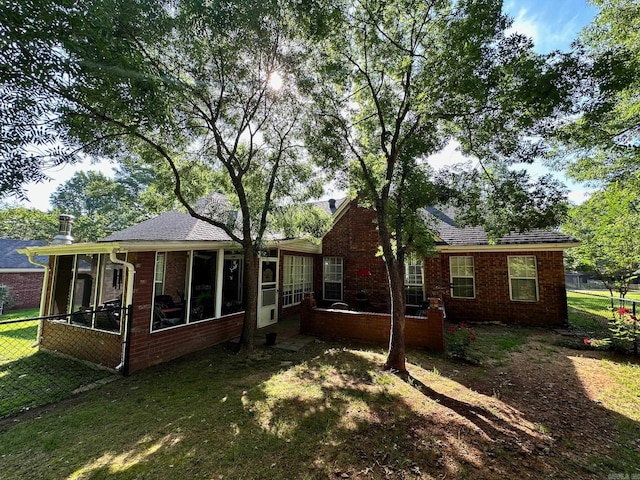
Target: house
point(23, 278)
point(173, 284)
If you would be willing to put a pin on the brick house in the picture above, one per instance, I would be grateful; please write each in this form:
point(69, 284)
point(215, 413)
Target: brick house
point(181, 281)
point(23, 278)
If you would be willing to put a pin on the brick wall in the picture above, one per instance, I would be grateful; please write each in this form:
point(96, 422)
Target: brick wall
point(93, 346)
point(492, 301)
point(354, 238)
point(422, 332)
point(146, 348)
point(25, 288)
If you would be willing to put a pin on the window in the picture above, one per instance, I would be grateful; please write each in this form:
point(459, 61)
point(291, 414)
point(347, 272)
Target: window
point(159, 273)
point(332, 278)
point(297, 278)
point(232, 299)
point(462, 275)
point(203, 285)
point(413, 282)
point(523, 278)
point(81, 290)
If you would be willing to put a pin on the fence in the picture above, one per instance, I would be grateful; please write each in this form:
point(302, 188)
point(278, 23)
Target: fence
point(41, 359)
point(593, 312)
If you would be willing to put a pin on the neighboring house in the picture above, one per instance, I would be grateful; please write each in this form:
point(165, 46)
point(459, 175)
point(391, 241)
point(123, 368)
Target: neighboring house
point(183, 281)
point(23, 278)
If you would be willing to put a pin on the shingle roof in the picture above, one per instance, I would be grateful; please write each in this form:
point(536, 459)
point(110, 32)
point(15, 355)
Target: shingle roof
point(451, 234)
point(325, 205)
point(170, 226)
point(11, 259)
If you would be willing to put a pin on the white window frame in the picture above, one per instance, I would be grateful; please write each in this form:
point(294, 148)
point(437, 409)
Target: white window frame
point(452, 276)
point(513, 277)
point(297, 278)
point(413, 261)
point(155, 273)
point(334, 276)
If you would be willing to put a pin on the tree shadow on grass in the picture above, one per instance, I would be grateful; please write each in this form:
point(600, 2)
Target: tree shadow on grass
point(317, 414)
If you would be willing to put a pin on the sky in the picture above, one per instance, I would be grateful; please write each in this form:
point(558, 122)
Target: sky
point(552, 24)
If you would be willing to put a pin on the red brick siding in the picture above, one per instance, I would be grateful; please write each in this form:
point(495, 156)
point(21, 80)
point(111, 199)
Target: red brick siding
point(354, 238)
point(146, 348)
point(492, 302)
point(25, 288)
point(91, 345)
point(422, 332)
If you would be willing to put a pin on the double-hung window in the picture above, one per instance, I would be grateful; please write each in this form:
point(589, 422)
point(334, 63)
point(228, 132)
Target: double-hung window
point(462, 276)
point(332, 278)
point(297, 278)
point(413, 280)
point(523, 278)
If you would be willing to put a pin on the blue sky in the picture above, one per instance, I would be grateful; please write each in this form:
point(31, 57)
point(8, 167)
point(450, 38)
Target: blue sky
point(551, 24)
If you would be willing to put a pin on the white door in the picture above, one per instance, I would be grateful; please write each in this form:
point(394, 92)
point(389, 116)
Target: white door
point(268, 292)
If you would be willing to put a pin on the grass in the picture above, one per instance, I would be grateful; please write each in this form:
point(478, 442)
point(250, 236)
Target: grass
point(20, 314)
point(329, 411)
point(28, 377)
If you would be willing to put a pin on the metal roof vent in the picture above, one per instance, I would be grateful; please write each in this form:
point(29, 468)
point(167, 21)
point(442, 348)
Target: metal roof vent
point(64, 231)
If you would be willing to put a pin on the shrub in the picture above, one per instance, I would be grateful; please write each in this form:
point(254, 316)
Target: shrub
point(458, 339)
point(6, 300)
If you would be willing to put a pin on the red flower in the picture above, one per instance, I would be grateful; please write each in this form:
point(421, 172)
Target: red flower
point(586, 341)
point(473, 338)
point(623, 310)
point(464, 325)
point(452, 329)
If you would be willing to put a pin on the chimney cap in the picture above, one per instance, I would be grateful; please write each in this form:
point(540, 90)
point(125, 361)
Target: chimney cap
point(64, 230)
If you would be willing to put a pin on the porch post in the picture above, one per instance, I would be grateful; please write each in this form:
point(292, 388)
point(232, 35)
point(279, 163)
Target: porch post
point(219, 280)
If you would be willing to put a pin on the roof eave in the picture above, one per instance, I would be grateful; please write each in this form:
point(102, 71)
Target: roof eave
point(509, 247)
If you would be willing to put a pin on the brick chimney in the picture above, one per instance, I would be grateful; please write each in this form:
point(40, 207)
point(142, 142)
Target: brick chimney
point(63, 236)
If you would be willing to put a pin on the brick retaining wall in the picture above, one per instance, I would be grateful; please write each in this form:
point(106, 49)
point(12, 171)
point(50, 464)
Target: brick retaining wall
point(423, 332)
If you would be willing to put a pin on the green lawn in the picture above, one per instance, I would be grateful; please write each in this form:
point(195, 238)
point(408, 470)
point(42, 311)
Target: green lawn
point(329, 411)
point(29, 377)
point(590, 311)
point(17, 340)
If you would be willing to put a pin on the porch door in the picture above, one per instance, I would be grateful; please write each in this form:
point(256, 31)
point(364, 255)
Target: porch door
point(268, 292)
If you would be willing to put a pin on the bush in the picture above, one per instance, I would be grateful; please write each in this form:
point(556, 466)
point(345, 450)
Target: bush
point(6, 300)
point(624, 329)
point(458, 339)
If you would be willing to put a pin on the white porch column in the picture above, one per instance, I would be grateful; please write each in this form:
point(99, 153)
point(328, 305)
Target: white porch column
point(219, 280)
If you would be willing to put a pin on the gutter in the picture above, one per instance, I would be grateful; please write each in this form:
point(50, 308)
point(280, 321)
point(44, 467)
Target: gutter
point(123, 367)
point(45, 284)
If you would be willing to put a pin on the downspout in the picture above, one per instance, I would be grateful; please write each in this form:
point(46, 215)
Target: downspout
point(43, 294)
point(123, 367)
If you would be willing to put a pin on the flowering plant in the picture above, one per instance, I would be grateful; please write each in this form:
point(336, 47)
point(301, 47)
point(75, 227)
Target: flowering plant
point(625, 333)
point(625, 330)
point(458, 339)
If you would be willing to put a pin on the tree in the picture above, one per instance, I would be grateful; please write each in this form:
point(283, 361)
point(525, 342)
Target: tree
point(29, 62)
point(20, 223)
point(188, 84)
point(398, 81)
point(606, 226)
point(101, 205)
point(600, 142)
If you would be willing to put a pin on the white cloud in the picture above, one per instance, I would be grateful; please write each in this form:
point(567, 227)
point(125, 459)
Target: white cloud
point(526, 24)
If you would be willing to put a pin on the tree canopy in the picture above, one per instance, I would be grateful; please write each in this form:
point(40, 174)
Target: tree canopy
point(399, 80)
point(208, 90)
point(600, 142)
point(606, 225)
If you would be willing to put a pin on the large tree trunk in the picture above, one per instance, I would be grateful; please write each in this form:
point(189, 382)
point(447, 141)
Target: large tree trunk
point(396, 357)
point(251, 266)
